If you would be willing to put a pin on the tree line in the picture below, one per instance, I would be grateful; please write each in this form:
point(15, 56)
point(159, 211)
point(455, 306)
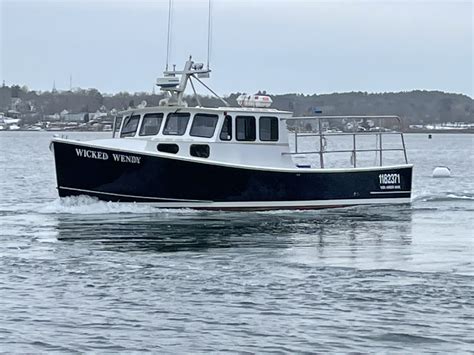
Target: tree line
point(415, 107)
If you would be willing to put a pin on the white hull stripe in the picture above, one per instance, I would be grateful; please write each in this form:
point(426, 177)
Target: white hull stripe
point(176, 203)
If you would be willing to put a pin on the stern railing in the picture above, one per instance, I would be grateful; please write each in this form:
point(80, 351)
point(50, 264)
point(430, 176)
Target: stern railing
point(354, 121)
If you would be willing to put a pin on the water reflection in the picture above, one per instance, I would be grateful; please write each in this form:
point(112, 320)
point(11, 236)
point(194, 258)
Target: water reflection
point(172, 232)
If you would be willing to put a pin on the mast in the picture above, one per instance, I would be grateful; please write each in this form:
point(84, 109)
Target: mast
point(175, 85)
point(209, 34)
point(168, 40)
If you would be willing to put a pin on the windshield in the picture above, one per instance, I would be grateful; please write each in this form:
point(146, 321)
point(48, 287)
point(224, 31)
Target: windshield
point(130, 126)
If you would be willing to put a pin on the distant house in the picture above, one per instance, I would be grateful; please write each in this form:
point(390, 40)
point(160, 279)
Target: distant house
point(76, 117)
point(13, 114)
point(63, 113)
point(98, 115)
point(8, 123)
point(55, 117)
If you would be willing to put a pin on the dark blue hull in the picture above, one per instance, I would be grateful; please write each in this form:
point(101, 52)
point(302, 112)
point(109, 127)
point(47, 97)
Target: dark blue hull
point(113, 175)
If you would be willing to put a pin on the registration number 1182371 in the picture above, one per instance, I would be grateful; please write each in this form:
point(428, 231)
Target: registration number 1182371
point(389, 179)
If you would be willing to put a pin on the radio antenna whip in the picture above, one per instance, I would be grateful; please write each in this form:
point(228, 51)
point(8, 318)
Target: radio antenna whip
point(209, 34)
point(169, 34)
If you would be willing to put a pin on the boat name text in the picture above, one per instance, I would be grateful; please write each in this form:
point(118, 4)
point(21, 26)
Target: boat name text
point(126, 158)
point(91, 154)
point(121, 158)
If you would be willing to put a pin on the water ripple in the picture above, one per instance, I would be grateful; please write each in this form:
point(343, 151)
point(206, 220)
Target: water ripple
point(80, 275)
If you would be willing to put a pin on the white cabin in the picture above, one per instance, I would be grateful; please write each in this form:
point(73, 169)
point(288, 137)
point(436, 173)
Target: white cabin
point(235, 135)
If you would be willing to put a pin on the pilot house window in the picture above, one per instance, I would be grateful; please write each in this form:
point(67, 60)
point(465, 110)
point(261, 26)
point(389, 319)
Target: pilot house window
point(204, 125)
point(130, 126)
point(176, 123)
point(245, 128)
point(226, 131)
point(151, 124)
point(268, 128)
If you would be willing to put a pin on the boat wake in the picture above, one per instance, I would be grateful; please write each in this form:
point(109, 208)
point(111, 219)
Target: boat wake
point(90, 206)
point(445, 197)
point(86, 205)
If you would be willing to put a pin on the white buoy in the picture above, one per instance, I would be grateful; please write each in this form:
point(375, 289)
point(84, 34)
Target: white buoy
point(441, 172)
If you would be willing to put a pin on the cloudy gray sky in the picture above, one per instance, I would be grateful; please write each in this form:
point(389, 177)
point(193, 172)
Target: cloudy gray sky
point(275, 45)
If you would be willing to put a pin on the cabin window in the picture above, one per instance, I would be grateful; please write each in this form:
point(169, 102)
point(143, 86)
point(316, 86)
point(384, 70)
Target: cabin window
point(130, 126)
point(118, 122)
point(268, 128)
point(226, 131)
point(204, 125)
point(151, 124)
point(176, 123)
point(199, 150)
point(245, 128)
point(168, 148)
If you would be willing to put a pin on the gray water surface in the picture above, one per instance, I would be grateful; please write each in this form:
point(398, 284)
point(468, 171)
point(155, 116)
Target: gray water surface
point(88, 276)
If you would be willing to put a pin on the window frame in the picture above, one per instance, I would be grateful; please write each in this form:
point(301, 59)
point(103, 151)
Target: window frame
point(237, 118)
point(277, 129)
point(125, 122)
point(209, 115)
point(117, 127)
point(177, 114)
point(229, 117)
point(143, 122)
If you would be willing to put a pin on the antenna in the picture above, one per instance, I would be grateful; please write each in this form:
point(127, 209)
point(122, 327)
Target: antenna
point(174, 81)
point(209, 34)
point(169, 34)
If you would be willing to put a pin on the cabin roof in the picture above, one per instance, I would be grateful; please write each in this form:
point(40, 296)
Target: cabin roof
point(244, 110)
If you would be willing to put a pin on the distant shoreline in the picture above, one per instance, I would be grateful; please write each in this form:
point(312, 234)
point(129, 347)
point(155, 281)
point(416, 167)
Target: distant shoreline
point(443, 131)
point(418, 131)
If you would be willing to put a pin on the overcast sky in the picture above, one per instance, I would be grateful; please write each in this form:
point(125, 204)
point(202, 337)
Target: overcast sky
point(274, 45)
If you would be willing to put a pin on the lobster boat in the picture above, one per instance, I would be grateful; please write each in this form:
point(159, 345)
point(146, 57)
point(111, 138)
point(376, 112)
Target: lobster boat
point(248, 156)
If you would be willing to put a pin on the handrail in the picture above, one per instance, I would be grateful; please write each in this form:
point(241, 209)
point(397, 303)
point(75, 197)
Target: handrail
point(303, 118)
point(322, 136)
point(343, 151)
point(304, 134)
